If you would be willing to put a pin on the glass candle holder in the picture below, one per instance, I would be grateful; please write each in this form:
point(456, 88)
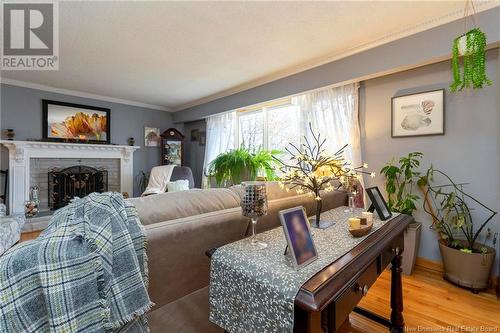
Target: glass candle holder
point(253, 206)
point(350, 187)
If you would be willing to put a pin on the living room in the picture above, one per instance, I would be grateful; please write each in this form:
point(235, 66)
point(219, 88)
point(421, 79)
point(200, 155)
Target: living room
point(162, 161)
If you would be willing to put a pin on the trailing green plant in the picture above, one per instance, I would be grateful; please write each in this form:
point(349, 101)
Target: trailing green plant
point(450, 212)
point(473, 73)
point(229, 168)
point(401, 178)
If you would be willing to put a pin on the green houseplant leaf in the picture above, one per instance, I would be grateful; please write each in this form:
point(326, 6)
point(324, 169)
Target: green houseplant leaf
point(400, 179)
point(231, 167)
point(473, 73)
point(447, 203)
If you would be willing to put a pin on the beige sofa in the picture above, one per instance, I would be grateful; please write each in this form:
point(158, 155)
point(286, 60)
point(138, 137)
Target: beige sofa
point(180, 227)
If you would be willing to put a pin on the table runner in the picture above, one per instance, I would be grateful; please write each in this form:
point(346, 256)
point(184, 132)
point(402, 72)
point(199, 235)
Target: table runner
point(254, 290)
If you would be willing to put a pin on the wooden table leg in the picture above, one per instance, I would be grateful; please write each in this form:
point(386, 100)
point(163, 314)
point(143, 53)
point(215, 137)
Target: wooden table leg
point(314, 322)
point(397, 319)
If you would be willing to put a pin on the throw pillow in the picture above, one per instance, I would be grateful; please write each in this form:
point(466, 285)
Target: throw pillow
point(178, 185)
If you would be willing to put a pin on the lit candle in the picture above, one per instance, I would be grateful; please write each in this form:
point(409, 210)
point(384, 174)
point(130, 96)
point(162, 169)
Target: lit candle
point(368, 216)
point(354, 223)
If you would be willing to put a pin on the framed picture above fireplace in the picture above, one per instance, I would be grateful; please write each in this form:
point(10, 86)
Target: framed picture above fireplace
point(68, 122)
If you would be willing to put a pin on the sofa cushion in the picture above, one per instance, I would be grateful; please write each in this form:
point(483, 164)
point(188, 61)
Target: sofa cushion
point(178, 185)
point(170, 206)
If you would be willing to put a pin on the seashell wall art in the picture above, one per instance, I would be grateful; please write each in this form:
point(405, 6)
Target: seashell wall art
point(418, 114)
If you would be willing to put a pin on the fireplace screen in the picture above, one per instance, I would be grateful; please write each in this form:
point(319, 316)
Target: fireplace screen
point(75, 181)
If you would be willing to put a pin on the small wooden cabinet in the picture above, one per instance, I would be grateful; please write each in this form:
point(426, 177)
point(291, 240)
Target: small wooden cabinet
point(172, 147)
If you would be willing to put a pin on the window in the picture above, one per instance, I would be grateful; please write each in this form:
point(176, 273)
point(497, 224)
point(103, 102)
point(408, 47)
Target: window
point(269, 128)
point(251, 129)
point(283, 126)
point(331, 111)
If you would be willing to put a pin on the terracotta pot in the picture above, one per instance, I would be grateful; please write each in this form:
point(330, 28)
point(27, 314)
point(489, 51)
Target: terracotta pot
point(470, 270)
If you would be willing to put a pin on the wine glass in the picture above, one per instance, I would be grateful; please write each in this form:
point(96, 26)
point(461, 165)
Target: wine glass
point(254, 205)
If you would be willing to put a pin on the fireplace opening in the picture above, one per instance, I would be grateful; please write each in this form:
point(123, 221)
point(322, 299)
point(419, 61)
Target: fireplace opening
point(75, 181)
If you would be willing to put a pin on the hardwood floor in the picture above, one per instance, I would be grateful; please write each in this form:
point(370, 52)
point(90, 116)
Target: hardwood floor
point(26, 236)
point(431, 305)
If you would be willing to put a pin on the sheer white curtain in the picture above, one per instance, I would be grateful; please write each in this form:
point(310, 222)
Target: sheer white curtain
point(221, 131)
point(333, 112)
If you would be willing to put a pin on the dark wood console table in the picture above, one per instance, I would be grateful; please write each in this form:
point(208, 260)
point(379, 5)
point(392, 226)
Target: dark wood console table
point(324, 302)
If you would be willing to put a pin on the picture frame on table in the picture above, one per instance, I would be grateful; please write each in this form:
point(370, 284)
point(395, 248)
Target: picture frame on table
point(418, 114)
point(298, 236)
point(378, 203)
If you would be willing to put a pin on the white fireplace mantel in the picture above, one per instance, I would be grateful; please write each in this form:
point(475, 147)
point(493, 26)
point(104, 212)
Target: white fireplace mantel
point(21, 152)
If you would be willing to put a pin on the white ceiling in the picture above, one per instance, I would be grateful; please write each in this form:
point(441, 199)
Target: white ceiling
point(172, 54)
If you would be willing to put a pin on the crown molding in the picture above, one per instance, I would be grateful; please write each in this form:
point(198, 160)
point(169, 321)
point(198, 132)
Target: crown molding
point(405, 32)
point(76, 93)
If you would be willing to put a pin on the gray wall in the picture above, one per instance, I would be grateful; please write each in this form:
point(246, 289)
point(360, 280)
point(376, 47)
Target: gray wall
point(194, 152)
point(469, 149)
point(21, 109)
point(418, 49)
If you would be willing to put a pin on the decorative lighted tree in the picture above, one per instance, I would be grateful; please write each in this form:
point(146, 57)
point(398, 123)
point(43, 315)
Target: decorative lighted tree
point(312, 169)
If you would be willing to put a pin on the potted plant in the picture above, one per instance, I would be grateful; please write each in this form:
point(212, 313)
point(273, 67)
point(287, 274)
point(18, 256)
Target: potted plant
point(401, 179)
point(471, 48)
point(466, 262)
point(241, 164)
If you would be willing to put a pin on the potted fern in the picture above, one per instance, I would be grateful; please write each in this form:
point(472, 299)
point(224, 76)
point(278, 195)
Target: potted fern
point(401, 180)
point(471, 48)
point(466, 262)
point(242, 164)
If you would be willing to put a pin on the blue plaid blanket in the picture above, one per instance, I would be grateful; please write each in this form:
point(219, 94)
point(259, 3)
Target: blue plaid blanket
point(87, 272)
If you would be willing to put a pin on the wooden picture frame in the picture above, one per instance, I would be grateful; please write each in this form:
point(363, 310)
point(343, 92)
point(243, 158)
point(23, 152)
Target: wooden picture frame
point(195, 135)
point(378, 203)
point(298, 236)
point(57, 125)
point(152, 137)
point(418, 114)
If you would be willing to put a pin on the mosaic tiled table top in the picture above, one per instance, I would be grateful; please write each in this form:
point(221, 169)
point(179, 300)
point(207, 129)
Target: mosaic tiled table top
point(254, 290)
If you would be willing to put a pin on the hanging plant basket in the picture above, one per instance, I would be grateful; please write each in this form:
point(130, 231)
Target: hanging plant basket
point(462, 44)
point(471, 49)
